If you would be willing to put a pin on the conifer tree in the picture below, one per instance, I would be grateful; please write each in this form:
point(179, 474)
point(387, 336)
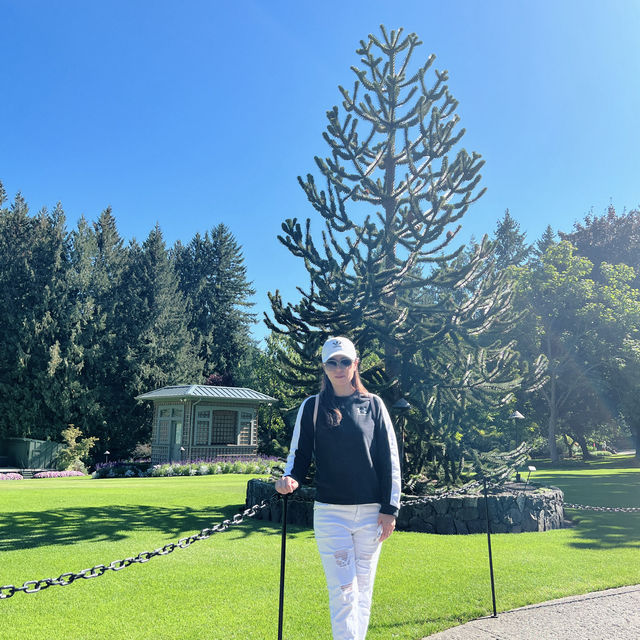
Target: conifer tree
point(161, 353)
point(33, 307)
point(395, 187)
point(547, 239)
point(213, 278)
point(101, 328)
point(611, 238)
point(510, 242)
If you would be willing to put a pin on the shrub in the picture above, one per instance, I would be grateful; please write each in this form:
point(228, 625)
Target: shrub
point(600, 454)
point(11, 476)
point(122, 469)
point(75, 451)
point(142, 451)
point(58, 474)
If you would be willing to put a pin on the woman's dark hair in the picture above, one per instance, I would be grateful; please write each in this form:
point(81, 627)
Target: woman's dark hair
point(327, 398)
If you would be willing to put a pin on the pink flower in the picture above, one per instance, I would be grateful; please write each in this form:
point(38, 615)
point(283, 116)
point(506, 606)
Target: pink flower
point(11, 476)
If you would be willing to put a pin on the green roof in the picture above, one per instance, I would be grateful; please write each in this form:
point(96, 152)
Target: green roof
point(178, 392)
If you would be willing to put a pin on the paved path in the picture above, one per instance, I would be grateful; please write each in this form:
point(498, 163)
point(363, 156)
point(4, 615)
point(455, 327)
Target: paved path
point(613, 614)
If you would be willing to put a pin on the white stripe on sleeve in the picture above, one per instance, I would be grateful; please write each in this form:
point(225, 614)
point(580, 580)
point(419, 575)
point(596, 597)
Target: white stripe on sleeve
point(291, 458)
point(396, 481)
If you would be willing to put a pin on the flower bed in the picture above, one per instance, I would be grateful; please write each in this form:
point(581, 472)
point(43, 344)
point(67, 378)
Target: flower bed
point(141, 469)
point(57, 474)
point(217, 465)
point(11, 476)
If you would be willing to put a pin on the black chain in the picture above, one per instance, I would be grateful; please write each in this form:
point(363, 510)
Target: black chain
point(34, 586)
point(570, 505)
point(469, 488)
point(585, 507)
point(474, 488)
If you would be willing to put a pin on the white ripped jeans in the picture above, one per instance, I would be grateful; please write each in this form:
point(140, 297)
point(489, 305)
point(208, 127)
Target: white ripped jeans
point(347, 538)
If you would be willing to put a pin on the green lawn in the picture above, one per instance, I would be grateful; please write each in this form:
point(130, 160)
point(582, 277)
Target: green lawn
point(227, 587)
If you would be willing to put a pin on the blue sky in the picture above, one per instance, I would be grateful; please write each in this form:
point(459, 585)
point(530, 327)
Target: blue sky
point(194, 113)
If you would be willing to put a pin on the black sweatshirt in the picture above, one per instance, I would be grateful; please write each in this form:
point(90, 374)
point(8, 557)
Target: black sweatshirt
point(356, 461)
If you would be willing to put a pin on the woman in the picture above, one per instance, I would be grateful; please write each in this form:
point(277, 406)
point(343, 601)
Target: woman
point(349, 433)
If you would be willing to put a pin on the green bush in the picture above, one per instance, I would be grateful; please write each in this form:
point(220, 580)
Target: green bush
point(122, 469)
point(75, 451)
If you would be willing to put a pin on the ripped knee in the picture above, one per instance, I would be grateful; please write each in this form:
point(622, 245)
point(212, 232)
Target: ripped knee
point(343, 558)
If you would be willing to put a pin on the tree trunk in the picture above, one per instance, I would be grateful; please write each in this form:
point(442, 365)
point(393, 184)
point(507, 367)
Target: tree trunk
point(553, 418)
point(392, 364)
point(569, 444)
point(582, 441)
point(636, 441)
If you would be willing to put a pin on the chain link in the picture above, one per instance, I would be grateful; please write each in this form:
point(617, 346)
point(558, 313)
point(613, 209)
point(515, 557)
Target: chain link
point(475, 488)
point(586, 507)
point(469, 488)
point(570, 505)
point(65, 579)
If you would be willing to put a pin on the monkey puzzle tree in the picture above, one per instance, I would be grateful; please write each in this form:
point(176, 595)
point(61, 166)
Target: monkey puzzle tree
point(423, 314)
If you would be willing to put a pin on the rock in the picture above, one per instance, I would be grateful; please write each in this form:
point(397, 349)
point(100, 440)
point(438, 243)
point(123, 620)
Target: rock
point(515, 516)
point(445, 524)
point(509, 512)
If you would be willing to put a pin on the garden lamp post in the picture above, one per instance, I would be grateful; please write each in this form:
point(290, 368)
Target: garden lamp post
point(515, 416)
point(270, 429)
point(181, 454)
point(106, 456)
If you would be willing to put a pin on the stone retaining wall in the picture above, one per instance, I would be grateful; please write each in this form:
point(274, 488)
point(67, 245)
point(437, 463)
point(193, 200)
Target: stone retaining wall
point(513, 511)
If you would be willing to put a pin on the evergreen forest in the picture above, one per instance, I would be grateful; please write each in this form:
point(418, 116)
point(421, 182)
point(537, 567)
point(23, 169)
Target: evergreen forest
point(89, 321)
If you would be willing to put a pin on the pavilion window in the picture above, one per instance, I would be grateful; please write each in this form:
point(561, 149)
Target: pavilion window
point(224, 427)
point(203, 426)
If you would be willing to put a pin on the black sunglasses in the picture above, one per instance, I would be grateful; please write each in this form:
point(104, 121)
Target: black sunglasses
point(345, 363)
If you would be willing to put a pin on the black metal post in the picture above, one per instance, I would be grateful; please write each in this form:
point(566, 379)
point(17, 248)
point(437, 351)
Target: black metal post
point(283, 551)
point(493, 586)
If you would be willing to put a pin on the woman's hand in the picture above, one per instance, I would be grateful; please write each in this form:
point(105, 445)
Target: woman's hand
point(388, 524)
point(286, 484)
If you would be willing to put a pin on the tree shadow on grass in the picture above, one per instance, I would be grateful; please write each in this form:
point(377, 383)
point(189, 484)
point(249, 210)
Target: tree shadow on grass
point(21, 530)
point(621, 489)
point(602, 529)
point(605, 530)
point(571, 464)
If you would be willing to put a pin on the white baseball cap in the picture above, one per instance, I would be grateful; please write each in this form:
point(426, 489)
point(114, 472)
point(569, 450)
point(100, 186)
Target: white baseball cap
point(338, 347)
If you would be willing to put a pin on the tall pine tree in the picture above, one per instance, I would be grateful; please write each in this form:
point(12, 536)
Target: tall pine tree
point(386, 272)
point(510, 245)
point(33, 307)
point(161, 353)
point(102, 328)
point(213, 278)
point(547, 239)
